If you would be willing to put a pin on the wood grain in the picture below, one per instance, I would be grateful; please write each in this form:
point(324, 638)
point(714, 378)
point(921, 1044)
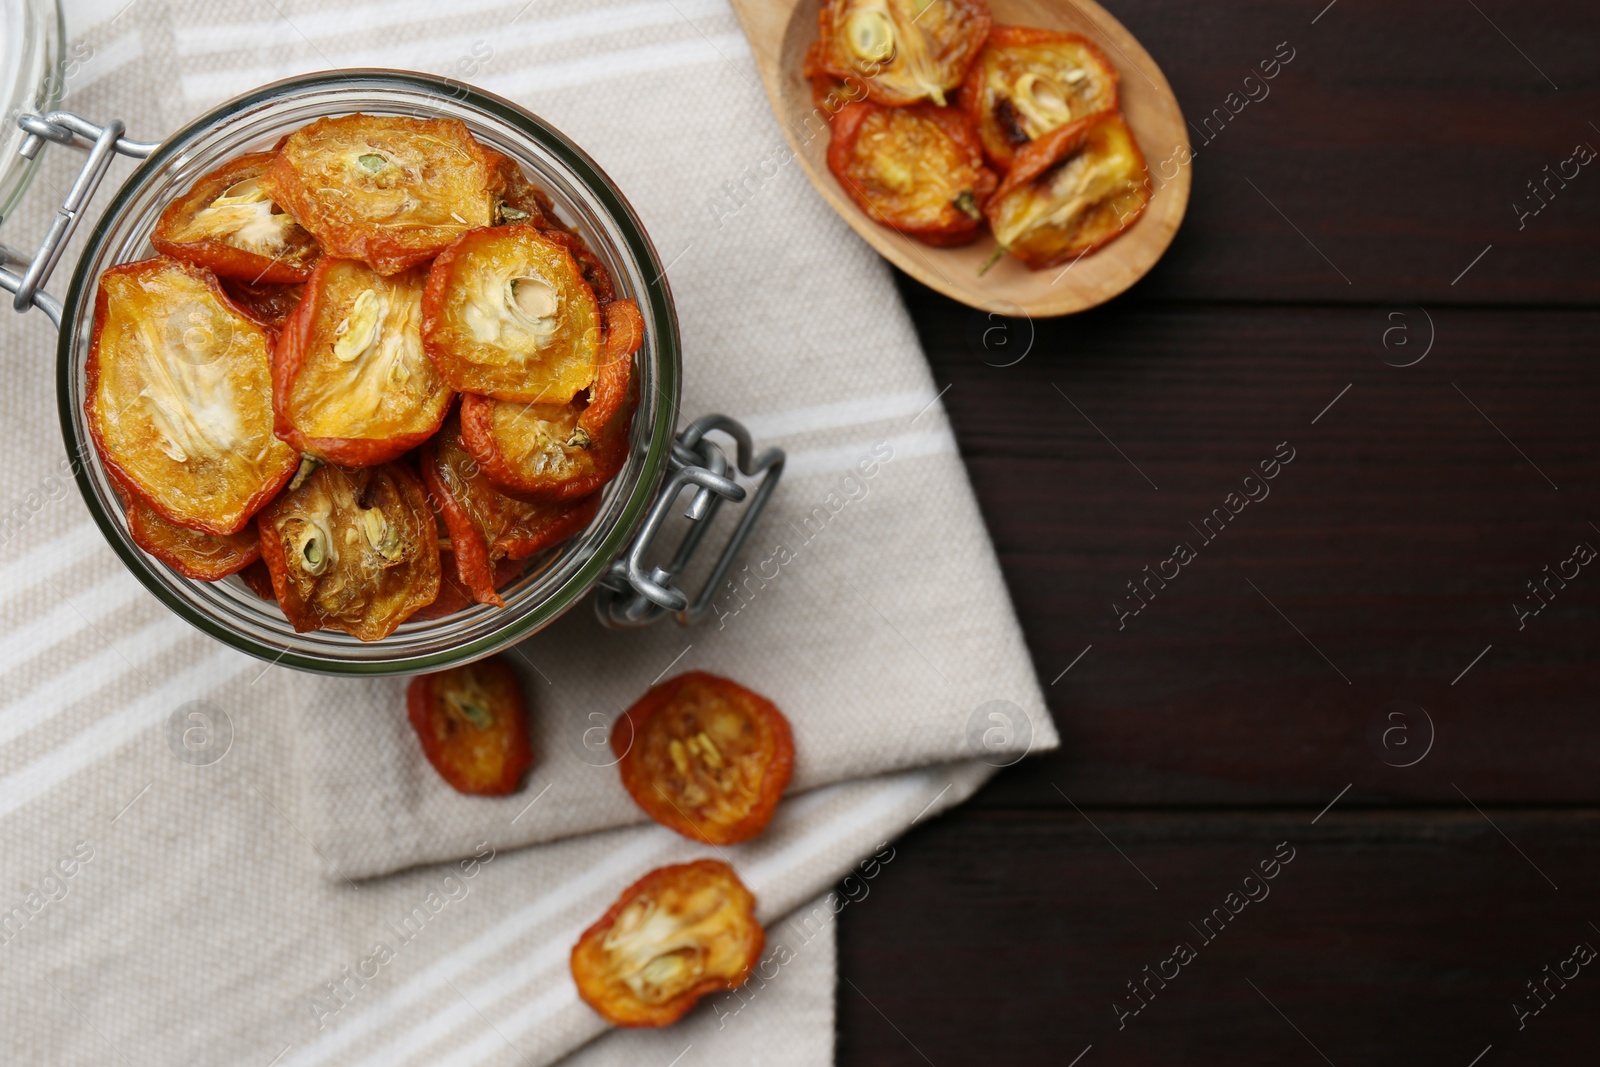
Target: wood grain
point(1389, 939)
point(779, 34)
point(1397, 541)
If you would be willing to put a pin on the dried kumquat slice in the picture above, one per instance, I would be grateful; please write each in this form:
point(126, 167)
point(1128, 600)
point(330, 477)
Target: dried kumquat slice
point(387, 189)
point(1027, 83)
point(178, 398)
point(351, 382)
point(705, 756)
point(229, 223)
point(673, 936)
point(202, 556)
point(520, 199)
point(917, 169)
point(259, 580)
point(472, 723)
point(352, 550)
point(540, 450)
point(486, 525)
point(903, 50)
point(269, 303)
point(507, 314)
point(1070, 192)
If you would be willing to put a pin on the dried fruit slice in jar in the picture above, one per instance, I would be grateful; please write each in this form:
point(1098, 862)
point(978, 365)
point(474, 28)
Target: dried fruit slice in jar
point(268, 303)
point(562, 451)
point(351, 382)
point(1027, 83)
point(521, 200)
point(673, 936)
point(454, 595)
point(614, 375)
point(352, 550)
point(202, 556)
point(594, 272)
point(390, 190)
point(229, 223)
point(917, 169)
point(472, 723)
point(902, 50)
point(1071, 192)
point(259, 580)
point(705, 756)
point(541, 450)
point(507, 314)
point(179, 396)
point(486, 525)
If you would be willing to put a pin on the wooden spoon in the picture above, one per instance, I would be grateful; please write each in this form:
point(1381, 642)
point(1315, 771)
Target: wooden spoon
point(779, 33)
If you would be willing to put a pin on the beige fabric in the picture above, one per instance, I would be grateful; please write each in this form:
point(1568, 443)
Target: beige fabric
point(210, 902)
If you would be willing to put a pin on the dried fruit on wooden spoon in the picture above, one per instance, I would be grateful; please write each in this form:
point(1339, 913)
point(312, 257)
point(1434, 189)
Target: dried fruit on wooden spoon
point(1070, 192)
point(1027, 82)
point(903, 50)
point(918, 169)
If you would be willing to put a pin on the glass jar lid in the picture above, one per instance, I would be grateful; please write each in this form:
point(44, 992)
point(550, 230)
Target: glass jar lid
point(32, 43)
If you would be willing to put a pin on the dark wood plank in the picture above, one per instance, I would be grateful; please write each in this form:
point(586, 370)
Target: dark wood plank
point(1387, 939)
point(1391, 147)
point(1395, 546)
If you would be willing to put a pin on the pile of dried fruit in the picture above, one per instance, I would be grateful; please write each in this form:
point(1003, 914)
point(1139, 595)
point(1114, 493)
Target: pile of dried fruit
point(372, 346)
point(942, 124)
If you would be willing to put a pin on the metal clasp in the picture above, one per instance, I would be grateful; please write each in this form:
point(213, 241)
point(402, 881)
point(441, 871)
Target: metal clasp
point(628, 596)
point(105, 142)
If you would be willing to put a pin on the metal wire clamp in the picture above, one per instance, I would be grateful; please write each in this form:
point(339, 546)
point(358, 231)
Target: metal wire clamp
point(104, 144)
point(628, 596)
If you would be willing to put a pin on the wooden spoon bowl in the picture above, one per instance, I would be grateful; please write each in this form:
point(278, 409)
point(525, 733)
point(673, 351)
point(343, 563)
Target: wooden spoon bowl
point(781, 30)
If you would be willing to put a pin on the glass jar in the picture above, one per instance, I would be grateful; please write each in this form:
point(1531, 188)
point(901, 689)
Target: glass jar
point(633, 505)
point(32, 71)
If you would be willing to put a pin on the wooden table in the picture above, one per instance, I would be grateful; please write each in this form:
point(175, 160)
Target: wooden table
point(1351, 671)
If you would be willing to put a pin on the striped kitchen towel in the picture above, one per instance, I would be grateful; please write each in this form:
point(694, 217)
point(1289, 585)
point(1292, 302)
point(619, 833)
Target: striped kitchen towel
point(191, 837)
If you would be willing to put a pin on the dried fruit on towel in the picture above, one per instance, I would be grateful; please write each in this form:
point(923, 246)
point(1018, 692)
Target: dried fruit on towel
point(673, 936)
point(1070, 192)
point(352, 550)
point(229, 223)
point(486, 525)
point(1027, 83)
point(351, 382)
point(705, 756)
point(918, 169)
point(202, 556)
point(507, 314)
point(179, 396)
point(903, 50)
point(387, 189)
point(472, 723)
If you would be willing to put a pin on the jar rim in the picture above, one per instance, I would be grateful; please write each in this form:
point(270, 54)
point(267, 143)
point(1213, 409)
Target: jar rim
point(35, 75)
point(655, 297)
